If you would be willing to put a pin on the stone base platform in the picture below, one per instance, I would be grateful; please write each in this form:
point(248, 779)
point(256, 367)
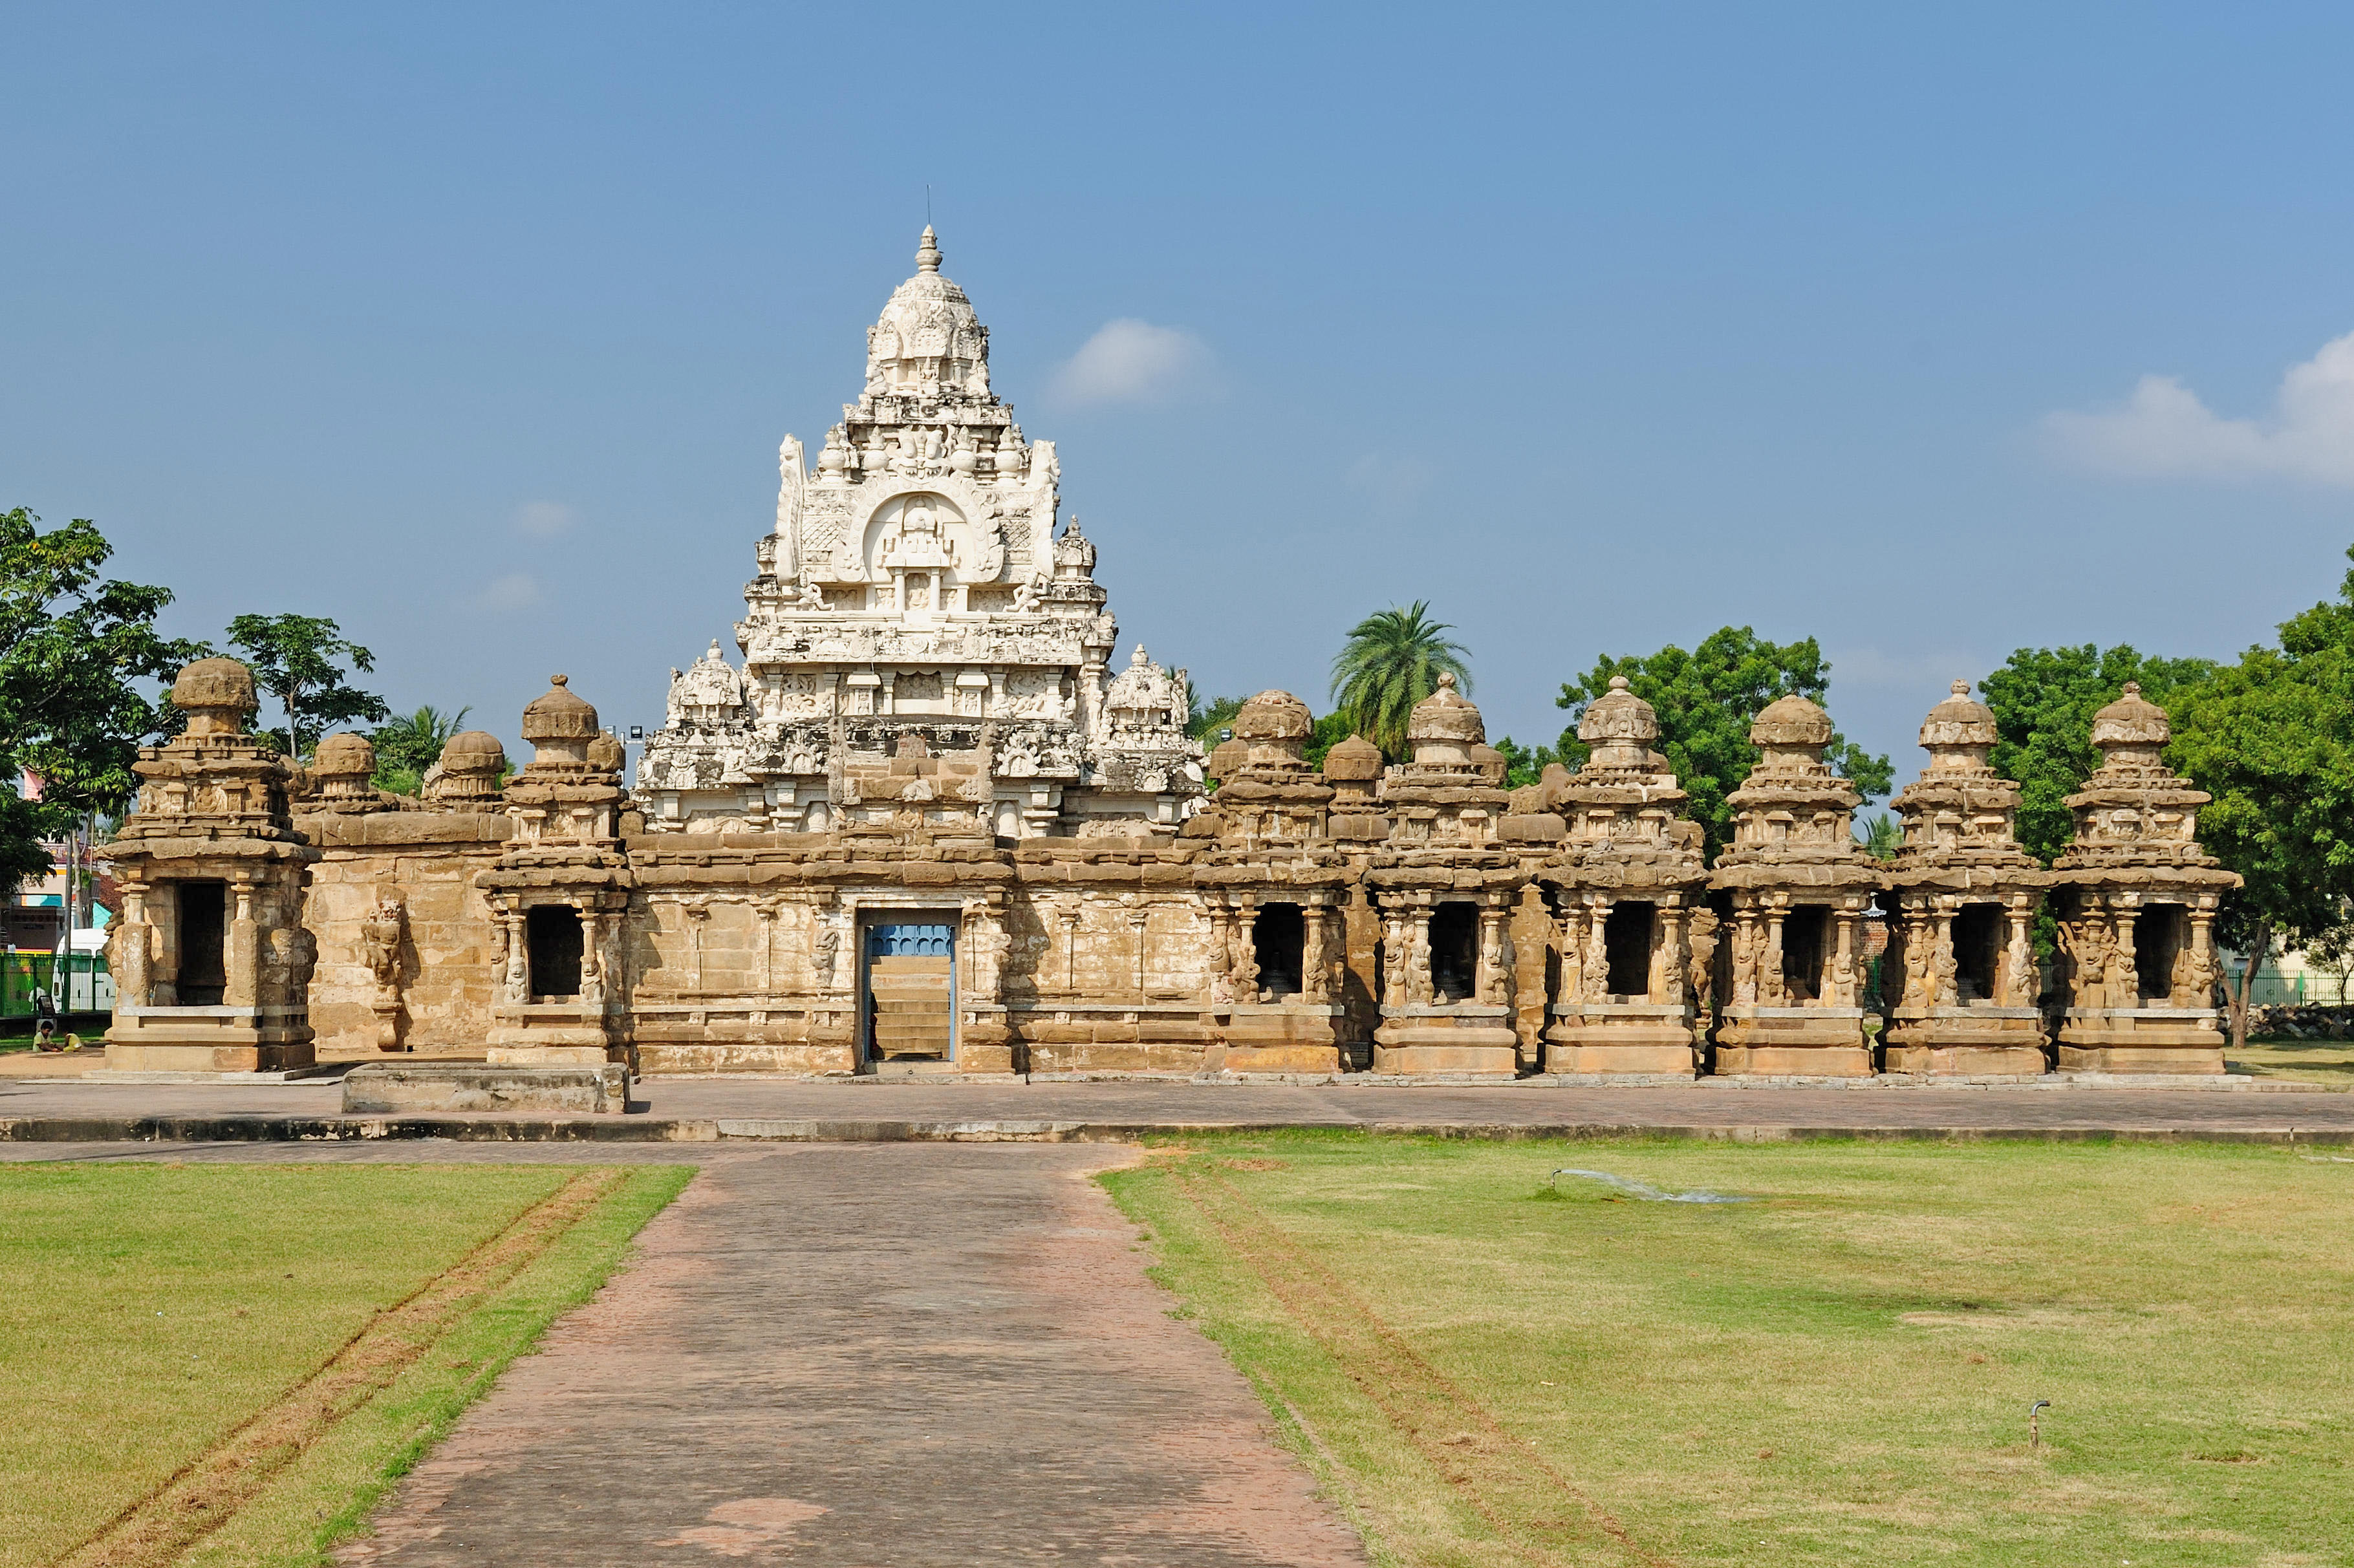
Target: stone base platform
point(378, 1088)
point(2022, 1061)
point(2127, 1040)
point(1430, 1046)
point(1793, 1041)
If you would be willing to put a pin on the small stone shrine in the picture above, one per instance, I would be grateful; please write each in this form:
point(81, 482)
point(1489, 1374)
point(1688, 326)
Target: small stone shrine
point(1444, 887)
point(1791, 960)
point(1959, 978)
point(2135, 898)
point(212, 958)
point(1627, 888)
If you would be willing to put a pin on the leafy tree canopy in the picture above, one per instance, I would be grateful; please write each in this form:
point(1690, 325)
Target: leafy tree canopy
point(410, 744)
point(2043, 701)
point(299, 660)
point(73, 647)
point(1706, 700)
point(2272, 738)
point(1392, 661)
point(1212, 715)
point(1523, 766)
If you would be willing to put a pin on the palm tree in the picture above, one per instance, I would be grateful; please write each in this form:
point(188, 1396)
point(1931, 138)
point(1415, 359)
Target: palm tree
point(1392, 661)
point(1882, 835)
point(407, 746)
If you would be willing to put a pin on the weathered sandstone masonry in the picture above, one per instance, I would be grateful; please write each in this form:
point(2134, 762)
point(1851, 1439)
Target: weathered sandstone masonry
point(212, 958)
point(931, 826)
point(1960, 976)
point(2135, 899)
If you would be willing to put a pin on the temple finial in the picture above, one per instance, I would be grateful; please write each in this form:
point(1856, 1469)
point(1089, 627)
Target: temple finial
point(928, 254)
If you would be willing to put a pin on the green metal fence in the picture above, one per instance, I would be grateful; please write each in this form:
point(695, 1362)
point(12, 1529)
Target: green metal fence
point(77, 982)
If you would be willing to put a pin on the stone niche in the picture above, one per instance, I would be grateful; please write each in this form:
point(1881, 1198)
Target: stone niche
point(1795, 887)
point(1275, 891)
point(1627, 885)
point(559, 893)
point(211, 959)
point(1959, 979)
point(408, 943)
point(1444, 889)
point(2134, 897)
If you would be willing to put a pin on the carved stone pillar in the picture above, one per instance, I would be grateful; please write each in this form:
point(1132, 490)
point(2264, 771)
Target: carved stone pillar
point(1493, 978)
point(134, 964)
point(1396, 955)
point(696, 914)
point(1571, 939)
point(1668, 956)
point(243, 958)
point(1315, 964)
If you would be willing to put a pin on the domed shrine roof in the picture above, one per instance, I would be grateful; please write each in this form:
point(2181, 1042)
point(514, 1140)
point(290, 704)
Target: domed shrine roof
point(1353, 760)
point(215, 683)
point(1619, 714)
point(345, 754)
point(473, 751)
point(558, 715)
point(1791, 721)
point(928, 331)
point(1274, 715)
point(1447, 716)
point(2132, 720)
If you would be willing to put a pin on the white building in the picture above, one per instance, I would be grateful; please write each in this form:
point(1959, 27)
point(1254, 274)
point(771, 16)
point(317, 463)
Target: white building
point(914, 600)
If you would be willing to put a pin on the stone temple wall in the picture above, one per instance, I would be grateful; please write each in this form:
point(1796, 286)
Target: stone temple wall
point(448, 944)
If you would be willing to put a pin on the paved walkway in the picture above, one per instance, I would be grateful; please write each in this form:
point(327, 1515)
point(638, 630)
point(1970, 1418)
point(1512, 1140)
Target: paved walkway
point(859, 1356)
point(787, 1109)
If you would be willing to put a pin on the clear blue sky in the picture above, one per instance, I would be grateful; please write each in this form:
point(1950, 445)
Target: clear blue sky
point(476, 327)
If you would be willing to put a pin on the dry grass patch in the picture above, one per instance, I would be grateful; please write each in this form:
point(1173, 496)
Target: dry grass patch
point(1836, 1371)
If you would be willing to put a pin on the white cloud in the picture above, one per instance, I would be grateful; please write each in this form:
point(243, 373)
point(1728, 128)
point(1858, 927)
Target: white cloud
point(516, 591)
point(544, 519)
point(2165, 429)
point(1130, 361)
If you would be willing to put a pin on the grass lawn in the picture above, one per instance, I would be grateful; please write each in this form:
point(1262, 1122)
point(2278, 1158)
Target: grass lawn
point(227, 1364)
point(1836, 1371)
point(2329, 1061)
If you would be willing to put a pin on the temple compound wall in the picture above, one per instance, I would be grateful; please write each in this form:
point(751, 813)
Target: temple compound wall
point(930, 825)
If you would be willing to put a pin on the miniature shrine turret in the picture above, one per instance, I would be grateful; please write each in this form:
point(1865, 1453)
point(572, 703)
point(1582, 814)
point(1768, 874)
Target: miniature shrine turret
point(1275, 890)
point(2135, 898)
point(1790, 959)
point(211, 959)
point(1958, 979)
point(1444, 887)
point(1628, 884)
point(560, 891)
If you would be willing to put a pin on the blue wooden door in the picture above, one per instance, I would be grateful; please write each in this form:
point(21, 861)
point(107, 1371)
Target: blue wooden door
point(910, 990)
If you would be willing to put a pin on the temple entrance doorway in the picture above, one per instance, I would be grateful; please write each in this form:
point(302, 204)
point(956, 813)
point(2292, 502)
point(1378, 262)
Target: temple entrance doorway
point(909, 987)
point(203, 974)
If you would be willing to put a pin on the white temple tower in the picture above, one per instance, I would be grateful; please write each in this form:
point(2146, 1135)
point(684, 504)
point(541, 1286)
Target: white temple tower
point(913, 600)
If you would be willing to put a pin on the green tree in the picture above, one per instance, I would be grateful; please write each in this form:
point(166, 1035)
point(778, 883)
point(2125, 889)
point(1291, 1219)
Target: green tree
point(299, 660)
point(2043, 701)
point(1706, 700)
point(1392, 661)
point(1523, 766)
point(1330, 731)
point(2272, 739)
point(1881, 834)
point(1212, 715)
point(410, 744)
point(74, 648)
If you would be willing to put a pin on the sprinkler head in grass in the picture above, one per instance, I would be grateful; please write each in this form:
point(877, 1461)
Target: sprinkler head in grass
point(2034, 1431)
